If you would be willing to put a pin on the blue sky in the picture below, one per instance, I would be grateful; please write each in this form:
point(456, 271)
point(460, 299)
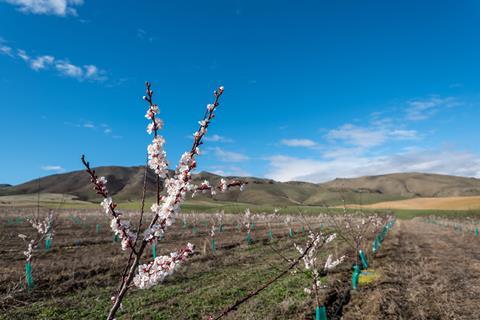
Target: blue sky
point(313, 89)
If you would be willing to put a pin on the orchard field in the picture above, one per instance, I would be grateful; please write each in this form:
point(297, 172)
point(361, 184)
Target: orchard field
point(427, 268)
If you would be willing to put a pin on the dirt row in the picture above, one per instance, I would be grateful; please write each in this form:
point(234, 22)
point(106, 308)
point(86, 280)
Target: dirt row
point(428, 272)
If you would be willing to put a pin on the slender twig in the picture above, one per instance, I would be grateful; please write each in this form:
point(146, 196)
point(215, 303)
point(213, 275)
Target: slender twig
point(252, 294)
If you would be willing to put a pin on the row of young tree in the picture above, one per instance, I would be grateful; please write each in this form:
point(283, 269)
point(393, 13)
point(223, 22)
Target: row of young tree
point(315, 258)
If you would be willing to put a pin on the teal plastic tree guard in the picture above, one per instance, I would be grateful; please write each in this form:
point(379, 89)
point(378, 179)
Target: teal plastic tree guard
point(116, 238)
point(303, 230)
point(270, 235)
point(355, 274)
point(221, 228)
point(321, 313)
point(154, 250)
point(48, 243)
point(249, 238)
point(28, 275)
point(213, 246)
point(476, 232)
point(363, 258)
point(374, 246)
point(290, 233)
point(97, 228)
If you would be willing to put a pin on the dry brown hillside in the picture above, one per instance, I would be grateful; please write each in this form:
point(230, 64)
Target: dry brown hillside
point(125, 183)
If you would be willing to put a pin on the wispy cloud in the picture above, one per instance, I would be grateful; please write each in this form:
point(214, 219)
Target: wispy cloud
point(374, 135)
point(286, 168)
point(298, 142)
point(229, 156)
point(64, 67)
point(216, 138)
point(144, 35)
point(48, 7)
point(358, 136)
point(229, 171)
point(41, 62)
point(6, 50)
point(103, 127)
point(53, 168)
point(376, 146)
point(422, 109)
point(404, 134)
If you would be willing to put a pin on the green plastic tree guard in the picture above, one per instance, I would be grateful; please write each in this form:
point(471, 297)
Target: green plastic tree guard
point(221, 228)
point(363, 258)
point(355, 274)
point(290, 233)
point(28, 275)
point(97, 228)
point(270, 235)
point(320, 313)
point(154, 250)
point(115, 238)
point(476, 232)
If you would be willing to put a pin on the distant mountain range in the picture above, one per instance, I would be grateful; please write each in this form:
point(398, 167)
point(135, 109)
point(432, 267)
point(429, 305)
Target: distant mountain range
point(125, 183)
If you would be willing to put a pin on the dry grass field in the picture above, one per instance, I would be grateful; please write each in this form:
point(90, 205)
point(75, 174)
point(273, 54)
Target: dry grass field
point(446, 203)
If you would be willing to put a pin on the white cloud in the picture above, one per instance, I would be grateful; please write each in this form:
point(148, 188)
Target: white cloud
point(48, 7)
point(422, 109)
point(52, 168)
point(23, 55)
point(41, 62)
point(229, 156)
point(144, 35)
point(216, 138)
point(230, 171)
point(88, 72)
point(6, 50)
point(70, 70)
point(103, 127)
point(298, 142)
point(358, 136)
point(404, 134)
point(285, 168)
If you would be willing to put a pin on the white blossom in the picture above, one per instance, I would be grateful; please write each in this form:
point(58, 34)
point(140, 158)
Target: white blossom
point(157, 160)
point(155, 272)
point(330, 264)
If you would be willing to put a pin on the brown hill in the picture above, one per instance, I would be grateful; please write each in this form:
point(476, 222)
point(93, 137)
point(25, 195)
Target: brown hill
point(125, 183)
point(411, 185)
